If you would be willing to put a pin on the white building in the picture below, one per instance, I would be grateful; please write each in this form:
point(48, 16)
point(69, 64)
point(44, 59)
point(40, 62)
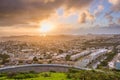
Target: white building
point(76, 56)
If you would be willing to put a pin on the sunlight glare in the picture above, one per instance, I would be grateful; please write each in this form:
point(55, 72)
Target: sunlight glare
point(46, 27)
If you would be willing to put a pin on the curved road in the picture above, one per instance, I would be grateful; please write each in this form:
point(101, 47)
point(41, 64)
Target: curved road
point(39, 68)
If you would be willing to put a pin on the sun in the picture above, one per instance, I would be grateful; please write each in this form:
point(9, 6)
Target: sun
point(45, 27)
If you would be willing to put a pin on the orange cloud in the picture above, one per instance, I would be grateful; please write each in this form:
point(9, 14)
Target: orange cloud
point(86, 16)
point(115, 5)
point(23, 11)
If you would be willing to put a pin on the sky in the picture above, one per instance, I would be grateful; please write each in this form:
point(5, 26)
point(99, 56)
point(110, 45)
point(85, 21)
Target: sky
point(31, 17)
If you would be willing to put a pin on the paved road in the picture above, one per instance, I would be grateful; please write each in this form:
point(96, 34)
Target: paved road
point(39, 68)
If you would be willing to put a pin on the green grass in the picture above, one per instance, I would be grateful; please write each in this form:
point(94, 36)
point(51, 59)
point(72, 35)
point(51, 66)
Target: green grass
point(53, 76)
point(40, 76)
point(73, 74)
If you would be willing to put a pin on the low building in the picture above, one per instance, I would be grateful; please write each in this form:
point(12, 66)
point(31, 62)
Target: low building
point(76, 56)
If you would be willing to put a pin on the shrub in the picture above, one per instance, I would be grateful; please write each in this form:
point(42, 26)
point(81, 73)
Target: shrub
point(72, 70)
point(2, 74)
point(25, 76)
point(53, 71)
point(46, 74)
point(11, 74)
point(21, 75)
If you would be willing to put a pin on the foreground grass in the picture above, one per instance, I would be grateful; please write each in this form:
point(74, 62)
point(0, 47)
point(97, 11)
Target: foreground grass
point(35, 76)
point(71, 75)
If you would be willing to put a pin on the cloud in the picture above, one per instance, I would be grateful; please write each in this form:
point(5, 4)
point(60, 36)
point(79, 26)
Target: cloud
point(23, 11)
point(115, 5)
point(63, 28)
point(77, 3)
point(114, 8)
point(110, 29)
point(109, 17)
point(46, 1)
point(82, 18)
point(86, 16)
point(99, 9)
point(118, 21)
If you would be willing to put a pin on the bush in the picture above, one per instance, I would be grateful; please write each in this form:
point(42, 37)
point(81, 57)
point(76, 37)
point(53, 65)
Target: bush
point(33, 72)
point(72, 70)
point(21, 75)
point(69, 75)
point(25, 76)
point(2, 74)
point(11, 74)
point(93, 75)
point(53, 71)
point(46, 74)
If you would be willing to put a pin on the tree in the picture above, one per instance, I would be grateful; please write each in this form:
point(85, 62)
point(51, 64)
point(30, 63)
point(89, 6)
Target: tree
point(60, 51)
point(4, 58)
point(67, 57)
point(35, 59)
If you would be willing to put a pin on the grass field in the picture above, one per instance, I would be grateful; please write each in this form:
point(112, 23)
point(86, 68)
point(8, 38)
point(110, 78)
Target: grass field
point(40, 76)
point(71, 75)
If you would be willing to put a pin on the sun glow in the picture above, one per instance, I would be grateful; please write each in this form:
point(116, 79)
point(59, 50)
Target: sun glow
point(46, 27)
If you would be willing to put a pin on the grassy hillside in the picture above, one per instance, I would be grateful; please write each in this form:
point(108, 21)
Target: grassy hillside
point(71, 75)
